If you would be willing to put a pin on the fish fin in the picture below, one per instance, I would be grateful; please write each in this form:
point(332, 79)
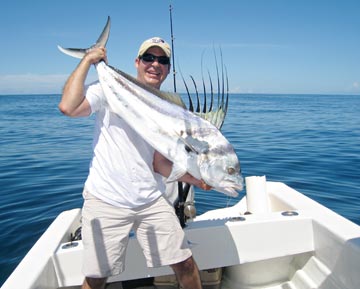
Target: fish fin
point(102, 40)
point(216, 117)
point(74, 52)
point(176, 173)
point(195, 145)
point(104, 36)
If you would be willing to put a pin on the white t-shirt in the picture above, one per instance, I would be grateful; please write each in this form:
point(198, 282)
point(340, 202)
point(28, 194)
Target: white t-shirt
point(121, 171)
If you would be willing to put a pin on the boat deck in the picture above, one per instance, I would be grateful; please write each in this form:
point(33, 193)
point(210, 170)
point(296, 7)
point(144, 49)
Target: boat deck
point(299, 244)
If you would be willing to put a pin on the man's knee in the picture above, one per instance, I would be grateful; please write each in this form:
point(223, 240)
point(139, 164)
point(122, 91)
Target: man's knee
point(187, 274)
point(187, 266)
point(94, 283)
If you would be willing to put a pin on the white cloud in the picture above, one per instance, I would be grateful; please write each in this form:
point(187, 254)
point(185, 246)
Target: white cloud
point(32, 83)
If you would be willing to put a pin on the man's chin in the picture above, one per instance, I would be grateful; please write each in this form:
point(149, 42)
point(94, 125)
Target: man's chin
point(153, 82)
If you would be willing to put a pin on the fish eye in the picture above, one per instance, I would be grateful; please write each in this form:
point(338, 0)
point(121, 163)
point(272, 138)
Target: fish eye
point(231, 171)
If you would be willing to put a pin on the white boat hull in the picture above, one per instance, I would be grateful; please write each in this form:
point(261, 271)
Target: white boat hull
point(315, 249)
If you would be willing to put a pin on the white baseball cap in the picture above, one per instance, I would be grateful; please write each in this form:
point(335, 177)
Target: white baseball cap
point(157, 42)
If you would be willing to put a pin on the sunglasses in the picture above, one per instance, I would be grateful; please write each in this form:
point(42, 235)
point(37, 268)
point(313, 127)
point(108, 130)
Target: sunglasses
point(147, 57)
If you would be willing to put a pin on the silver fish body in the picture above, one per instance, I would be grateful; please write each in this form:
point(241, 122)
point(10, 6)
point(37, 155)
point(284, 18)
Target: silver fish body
point(192, 143)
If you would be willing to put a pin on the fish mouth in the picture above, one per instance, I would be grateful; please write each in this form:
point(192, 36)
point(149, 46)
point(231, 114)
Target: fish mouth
point(230, 192)
point(230, 189)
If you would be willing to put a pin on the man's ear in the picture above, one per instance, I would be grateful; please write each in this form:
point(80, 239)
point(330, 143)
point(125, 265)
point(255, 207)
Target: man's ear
point(137, 62)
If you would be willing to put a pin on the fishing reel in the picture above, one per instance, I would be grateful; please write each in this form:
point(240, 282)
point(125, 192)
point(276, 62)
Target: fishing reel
point(189, 210)
point(185, 205)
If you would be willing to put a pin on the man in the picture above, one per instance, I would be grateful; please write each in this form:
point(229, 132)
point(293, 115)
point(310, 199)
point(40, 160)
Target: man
point(124, 188)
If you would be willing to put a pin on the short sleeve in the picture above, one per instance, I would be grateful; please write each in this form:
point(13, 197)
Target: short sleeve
point(95, 96)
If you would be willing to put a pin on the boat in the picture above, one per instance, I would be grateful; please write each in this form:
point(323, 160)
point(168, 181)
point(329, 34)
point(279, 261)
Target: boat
point(296, 243)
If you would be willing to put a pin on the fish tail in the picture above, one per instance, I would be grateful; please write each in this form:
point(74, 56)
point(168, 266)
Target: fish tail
point(101, 42)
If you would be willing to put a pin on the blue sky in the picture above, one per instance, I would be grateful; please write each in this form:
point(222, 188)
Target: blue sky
point(268, 46)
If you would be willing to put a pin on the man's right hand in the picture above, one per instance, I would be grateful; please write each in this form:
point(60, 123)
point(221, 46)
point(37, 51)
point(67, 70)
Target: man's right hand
point(95, 55)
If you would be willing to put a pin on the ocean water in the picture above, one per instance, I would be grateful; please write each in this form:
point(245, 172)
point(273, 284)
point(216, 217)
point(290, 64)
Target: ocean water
point(310, 142)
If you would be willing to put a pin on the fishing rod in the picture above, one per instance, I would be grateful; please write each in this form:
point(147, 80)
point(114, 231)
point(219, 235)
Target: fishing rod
point(183, 188)
point(172, 48)
point(179, 205)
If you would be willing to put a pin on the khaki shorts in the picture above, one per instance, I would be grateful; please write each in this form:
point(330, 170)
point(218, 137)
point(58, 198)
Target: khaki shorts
point(106, 229)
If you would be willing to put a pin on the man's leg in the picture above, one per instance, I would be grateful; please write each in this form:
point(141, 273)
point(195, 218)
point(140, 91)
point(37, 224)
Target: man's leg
point(164, 242)
point(94, 283)
point(187, 274)
point(105, 232)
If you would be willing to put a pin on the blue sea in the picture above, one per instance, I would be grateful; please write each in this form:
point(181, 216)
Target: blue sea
point(310, 142)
